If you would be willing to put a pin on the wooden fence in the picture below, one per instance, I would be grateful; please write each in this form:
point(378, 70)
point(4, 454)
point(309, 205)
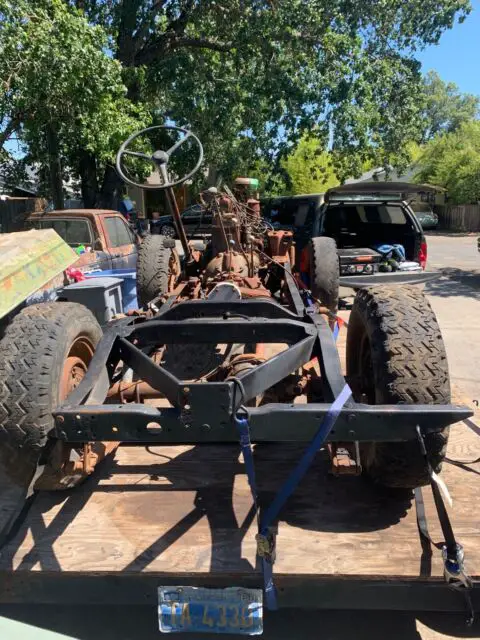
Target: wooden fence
point(463, 217)
point(14, 212)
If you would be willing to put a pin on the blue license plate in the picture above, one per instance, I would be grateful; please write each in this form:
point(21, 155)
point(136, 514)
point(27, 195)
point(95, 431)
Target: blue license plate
point(231, 610)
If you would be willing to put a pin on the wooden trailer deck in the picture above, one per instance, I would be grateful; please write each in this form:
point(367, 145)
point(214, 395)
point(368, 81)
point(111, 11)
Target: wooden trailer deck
point(183, 515)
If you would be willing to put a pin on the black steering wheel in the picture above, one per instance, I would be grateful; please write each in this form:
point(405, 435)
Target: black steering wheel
point(159, 158)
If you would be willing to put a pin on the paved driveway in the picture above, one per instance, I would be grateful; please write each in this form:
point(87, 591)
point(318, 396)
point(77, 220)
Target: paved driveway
point(455, 298)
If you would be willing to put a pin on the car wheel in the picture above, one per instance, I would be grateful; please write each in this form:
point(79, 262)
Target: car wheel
point(324, 273)
point(168, 231)
point(44, 354)
point(396, 355)
point(156, 264)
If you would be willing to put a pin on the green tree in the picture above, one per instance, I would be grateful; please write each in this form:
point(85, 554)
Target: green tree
point(445, 107)
point(452, 160)
point(310, 168)
point(252, 76)
point(61, 93)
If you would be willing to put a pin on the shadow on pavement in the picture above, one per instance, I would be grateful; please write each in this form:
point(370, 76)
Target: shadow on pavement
point(133, 623)
point(455, 283)
point(451, 234)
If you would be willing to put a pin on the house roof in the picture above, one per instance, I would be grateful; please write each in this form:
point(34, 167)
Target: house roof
point(380, 174)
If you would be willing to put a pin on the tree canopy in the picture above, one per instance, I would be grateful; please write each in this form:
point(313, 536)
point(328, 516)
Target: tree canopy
point(61, 92)
point(452, 160)
point(310, 168)
point(251, 77)
point(445, 107)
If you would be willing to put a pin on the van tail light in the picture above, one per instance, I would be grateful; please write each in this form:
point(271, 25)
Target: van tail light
point(422, 254)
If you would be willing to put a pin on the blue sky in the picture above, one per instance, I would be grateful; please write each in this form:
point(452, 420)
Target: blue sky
point(457, 56)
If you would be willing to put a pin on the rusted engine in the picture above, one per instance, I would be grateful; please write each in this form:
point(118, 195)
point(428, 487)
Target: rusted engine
point(243, 248)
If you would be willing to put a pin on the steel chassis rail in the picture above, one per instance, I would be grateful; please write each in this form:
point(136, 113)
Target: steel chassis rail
point(204, 411)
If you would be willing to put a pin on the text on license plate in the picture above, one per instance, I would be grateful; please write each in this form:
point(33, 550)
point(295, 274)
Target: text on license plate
point(231, 610)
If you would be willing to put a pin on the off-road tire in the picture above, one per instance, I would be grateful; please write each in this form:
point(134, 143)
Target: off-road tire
point(33, 350)
point(153, 268)
point(324, 271)
point(408, 365)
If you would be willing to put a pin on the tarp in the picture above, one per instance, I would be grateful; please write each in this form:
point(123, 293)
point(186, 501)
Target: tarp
point(28, 261)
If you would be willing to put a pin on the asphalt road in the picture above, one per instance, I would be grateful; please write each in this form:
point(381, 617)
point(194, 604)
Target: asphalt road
point(455, 298)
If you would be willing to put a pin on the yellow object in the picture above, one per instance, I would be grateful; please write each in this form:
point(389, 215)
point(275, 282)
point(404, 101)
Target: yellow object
point(28, 261)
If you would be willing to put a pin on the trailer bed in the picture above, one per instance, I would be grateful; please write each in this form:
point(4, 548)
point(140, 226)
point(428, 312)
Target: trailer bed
point(183, 515)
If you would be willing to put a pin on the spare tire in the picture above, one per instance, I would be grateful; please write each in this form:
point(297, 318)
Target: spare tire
point(153, 267)
point(324, 272)
point(396, 355)
point(44, 353)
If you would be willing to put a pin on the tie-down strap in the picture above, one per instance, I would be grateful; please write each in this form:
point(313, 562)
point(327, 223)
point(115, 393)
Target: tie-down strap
point(266, 530)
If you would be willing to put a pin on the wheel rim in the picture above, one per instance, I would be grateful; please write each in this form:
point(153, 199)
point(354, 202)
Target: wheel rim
point(75, 366)
point(168, 231)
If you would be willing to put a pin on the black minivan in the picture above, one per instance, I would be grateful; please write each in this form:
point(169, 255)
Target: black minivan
point(362, 218)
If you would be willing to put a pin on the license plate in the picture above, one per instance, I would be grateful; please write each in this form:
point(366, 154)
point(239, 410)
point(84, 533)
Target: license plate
point(197, 609)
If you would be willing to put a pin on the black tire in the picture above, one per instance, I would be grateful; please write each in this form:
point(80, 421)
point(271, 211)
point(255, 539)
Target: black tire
point(395, 354)
point(152, 268)
point(324, 272)
point(33, 353)
point(168, 231)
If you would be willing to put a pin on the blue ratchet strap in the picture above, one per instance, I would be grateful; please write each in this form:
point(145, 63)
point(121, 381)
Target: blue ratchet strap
point(246, 448)
point(336, 331)
point(265, 539)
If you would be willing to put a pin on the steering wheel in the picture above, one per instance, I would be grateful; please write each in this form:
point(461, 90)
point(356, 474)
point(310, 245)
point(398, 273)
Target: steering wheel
point(159, 158)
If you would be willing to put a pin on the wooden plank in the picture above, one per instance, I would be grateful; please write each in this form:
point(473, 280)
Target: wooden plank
point(186, 511)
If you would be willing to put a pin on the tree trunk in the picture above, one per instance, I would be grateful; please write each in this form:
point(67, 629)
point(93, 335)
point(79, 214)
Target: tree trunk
point(55, 168)
point(89, 182)
point(112, 189)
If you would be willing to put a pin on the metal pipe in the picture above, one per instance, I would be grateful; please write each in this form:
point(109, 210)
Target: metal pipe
point(132, 390)
point(175, 213)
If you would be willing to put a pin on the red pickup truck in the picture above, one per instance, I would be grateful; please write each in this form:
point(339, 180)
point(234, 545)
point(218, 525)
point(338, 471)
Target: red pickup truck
point(106, 236)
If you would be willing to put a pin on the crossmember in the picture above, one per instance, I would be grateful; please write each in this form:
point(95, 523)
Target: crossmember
point(204, 411)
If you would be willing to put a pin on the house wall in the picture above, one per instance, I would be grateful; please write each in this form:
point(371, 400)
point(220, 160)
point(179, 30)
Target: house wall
point(437, 198)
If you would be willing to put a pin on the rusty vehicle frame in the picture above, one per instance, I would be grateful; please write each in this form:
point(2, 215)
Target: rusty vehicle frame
point(106, 408)
point(204, 411)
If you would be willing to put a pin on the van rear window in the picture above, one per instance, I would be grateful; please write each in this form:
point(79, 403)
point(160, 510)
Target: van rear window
point(347, 215)
point(381, 214)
